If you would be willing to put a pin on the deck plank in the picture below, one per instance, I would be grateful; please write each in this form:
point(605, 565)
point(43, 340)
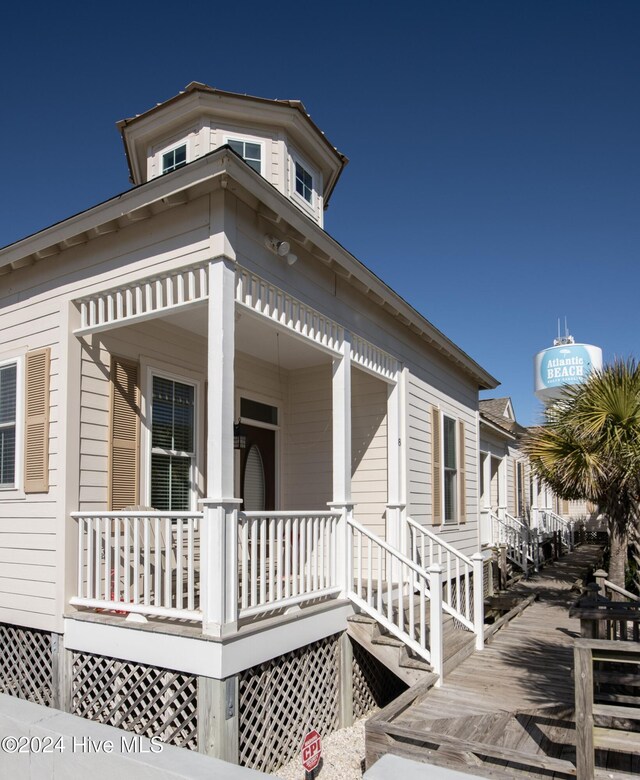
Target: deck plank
point(517, 695)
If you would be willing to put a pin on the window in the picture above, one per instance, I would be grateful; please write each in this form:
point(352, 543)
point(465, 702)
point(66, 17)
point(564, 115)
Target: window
point(8, 424)
point(250, 152)
point(175, 158)
point(172, 444)
point(450, 469)
point(304, 183)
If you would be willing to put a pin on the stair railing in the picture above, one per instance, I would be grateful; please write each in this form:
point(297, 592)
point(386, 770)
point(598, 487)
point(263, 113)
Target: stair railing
point(399, 606)
point(521, 542)
point(462, 577)
point(551, 523)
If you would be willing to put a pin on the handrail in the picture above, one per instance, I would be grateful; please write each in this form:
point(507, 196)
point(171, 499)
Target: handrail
point(391, 588)
point(457, 585)
point(426, 532)
point(617, 589)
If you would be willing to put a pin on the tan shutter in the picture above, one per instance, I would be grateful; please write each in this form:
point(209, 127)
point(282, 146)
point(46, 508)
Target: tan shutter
point(564, 507)
point(36, 428)
point(511, 494)
point(124, 434)
point(462, 482)
point(436, 472)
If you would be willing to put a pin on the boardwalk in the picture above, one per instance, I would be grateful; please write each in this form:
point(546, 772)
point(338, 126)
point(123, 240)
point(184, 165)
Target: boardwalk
point(508, 711)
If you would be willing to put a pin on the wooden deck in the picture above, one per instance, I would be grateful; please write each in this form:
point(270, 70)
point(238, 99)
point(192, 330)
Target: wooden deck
point(506, 712)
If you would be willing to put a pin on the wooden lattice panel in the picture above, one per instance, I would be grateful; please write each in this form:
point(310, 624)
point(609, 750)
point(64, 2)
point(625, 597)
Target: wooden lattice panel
point(26, 664)
point(373, 684)
point(144, 699)
point(282, 699)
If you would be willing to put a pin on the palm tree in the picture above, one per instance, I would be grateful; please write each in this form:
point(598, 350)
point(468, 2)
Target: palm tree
point(589, 448)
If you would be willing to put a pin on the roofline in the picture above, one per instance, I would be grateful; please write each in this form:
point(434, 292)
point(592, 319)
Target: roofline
point(197, 86)
point(196, 173)
point(502, 431)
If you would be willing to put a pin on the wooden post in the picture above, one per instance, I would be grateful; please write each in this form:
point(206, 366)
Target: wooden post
point(478, 599)
point(435, 622)
point(600, 576)
point(218, 719)
point(345, 680)
point(583, 676)
point(62, 674)
point(556, 545)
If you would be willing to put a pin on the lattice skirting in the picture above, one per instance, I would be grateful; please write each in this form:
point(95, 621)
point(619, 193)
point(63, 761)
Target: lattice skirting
point(373, 684)
point(282, 699)
point(143, 699)
point(26, 664)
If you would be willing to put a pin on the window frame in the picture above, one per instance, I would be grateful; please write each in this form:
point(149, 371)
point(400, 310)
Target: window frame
point(196, 473)
point(227, 138)
point(173, 148)
point(16, 489)
point(311, 207)
point(449, 521)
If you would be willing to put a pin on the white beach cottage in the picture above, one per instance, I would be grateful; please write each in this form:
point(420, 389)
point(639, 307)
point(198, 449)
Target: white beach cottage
point(221, 436)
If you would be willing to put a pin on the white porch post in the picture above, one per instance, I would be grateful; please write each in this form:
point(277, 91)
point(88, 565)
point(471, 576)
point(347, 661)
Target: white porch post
point(396, 502)
point(478, 599)
point(341, 418)
point(534, 502)
point(486, 533)
point(219, 536)
point(436, 642)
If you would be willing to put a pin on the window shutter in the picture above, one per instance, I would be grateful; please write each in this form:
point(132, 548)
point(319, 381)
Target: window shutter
point(124, 434)
point(36, 429)
point(512, 498)
point(462, 482)
point(564, 507)
point(436, 473)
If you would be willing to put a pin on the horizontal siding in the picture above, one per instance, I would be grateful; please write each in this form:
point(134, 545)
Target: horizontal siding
point(421, 398)
point(369, 450)
point(307, 462)
point(28, 531)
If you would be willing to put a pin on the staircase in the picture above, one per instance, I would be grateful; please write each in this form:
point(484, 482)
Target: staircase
point(420, 613)
point(522, 543)
point(394, 654)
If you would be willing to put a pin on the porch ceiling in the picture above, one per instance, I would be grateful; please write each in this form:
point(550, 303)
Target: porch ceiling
point(255, 337)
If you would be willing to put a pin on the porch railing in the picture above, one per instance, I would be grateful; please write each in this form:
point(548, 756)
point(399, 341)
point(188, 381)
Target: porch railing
point(141, 562)
point(286, 558)
point(403, 597)
point(551, 523)
point(521, 541)
point(458, 572)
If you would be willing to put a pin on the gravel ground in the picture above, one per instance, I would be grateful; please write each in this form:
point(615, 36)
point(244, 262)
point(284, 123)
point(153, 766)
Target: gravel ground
point(342, 757)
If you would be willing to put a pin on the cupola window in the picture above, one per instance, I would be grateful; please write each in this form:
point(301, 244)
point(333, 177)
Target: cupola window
point(304, 183)
point(250, 152)
point(174, 159)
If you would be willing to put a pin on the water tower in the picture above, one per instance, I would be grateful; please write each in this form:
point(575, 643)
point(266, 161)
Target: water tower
point(564, 364)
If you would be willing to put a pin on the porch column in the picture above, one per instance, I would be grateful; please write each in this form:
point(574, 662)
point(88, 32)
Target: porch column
point(534, 502)
point(485, 507)
point(341, 418)
point(396, 500)
point(503, 498)
point(218, 574)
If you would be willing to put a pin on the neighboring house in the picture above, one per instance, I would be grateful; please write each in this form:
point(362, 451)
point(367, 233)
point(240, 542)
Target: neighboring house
point(516, 509)
point(221, 435)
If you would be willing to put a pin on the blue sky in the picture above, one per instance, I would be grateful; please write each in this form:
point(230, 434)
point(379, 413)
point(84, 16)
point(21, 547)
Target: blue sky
point(494, 179)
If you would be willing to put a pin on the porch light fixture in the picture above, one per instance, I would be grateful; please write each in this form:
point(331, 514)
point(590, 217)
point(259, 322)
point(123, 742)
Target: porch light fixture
point(239, 436)
point(280, 248)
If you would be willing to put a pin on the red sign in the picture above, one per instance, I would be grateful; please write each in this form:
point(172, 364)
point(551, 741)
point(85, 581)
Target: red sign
point(311, 750)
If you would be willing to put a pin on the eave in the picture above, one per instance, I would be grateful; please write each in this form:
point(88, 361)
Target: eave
point(223, 167)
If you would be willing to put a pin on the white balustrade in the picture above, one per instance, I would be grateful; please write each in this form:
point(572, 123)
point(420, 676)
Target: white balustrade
point(286, 558)
point(400, 606)
point(139, 562)
point(552, 523)
point(426, 550)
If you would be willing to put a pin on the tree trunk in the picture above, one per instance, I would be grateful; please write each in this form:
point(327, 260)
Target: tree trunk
point(619, 543)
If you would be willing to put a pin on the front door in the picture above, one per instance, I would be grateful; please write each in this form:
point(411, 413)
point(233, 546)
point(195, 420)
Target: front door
point(258, 470)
